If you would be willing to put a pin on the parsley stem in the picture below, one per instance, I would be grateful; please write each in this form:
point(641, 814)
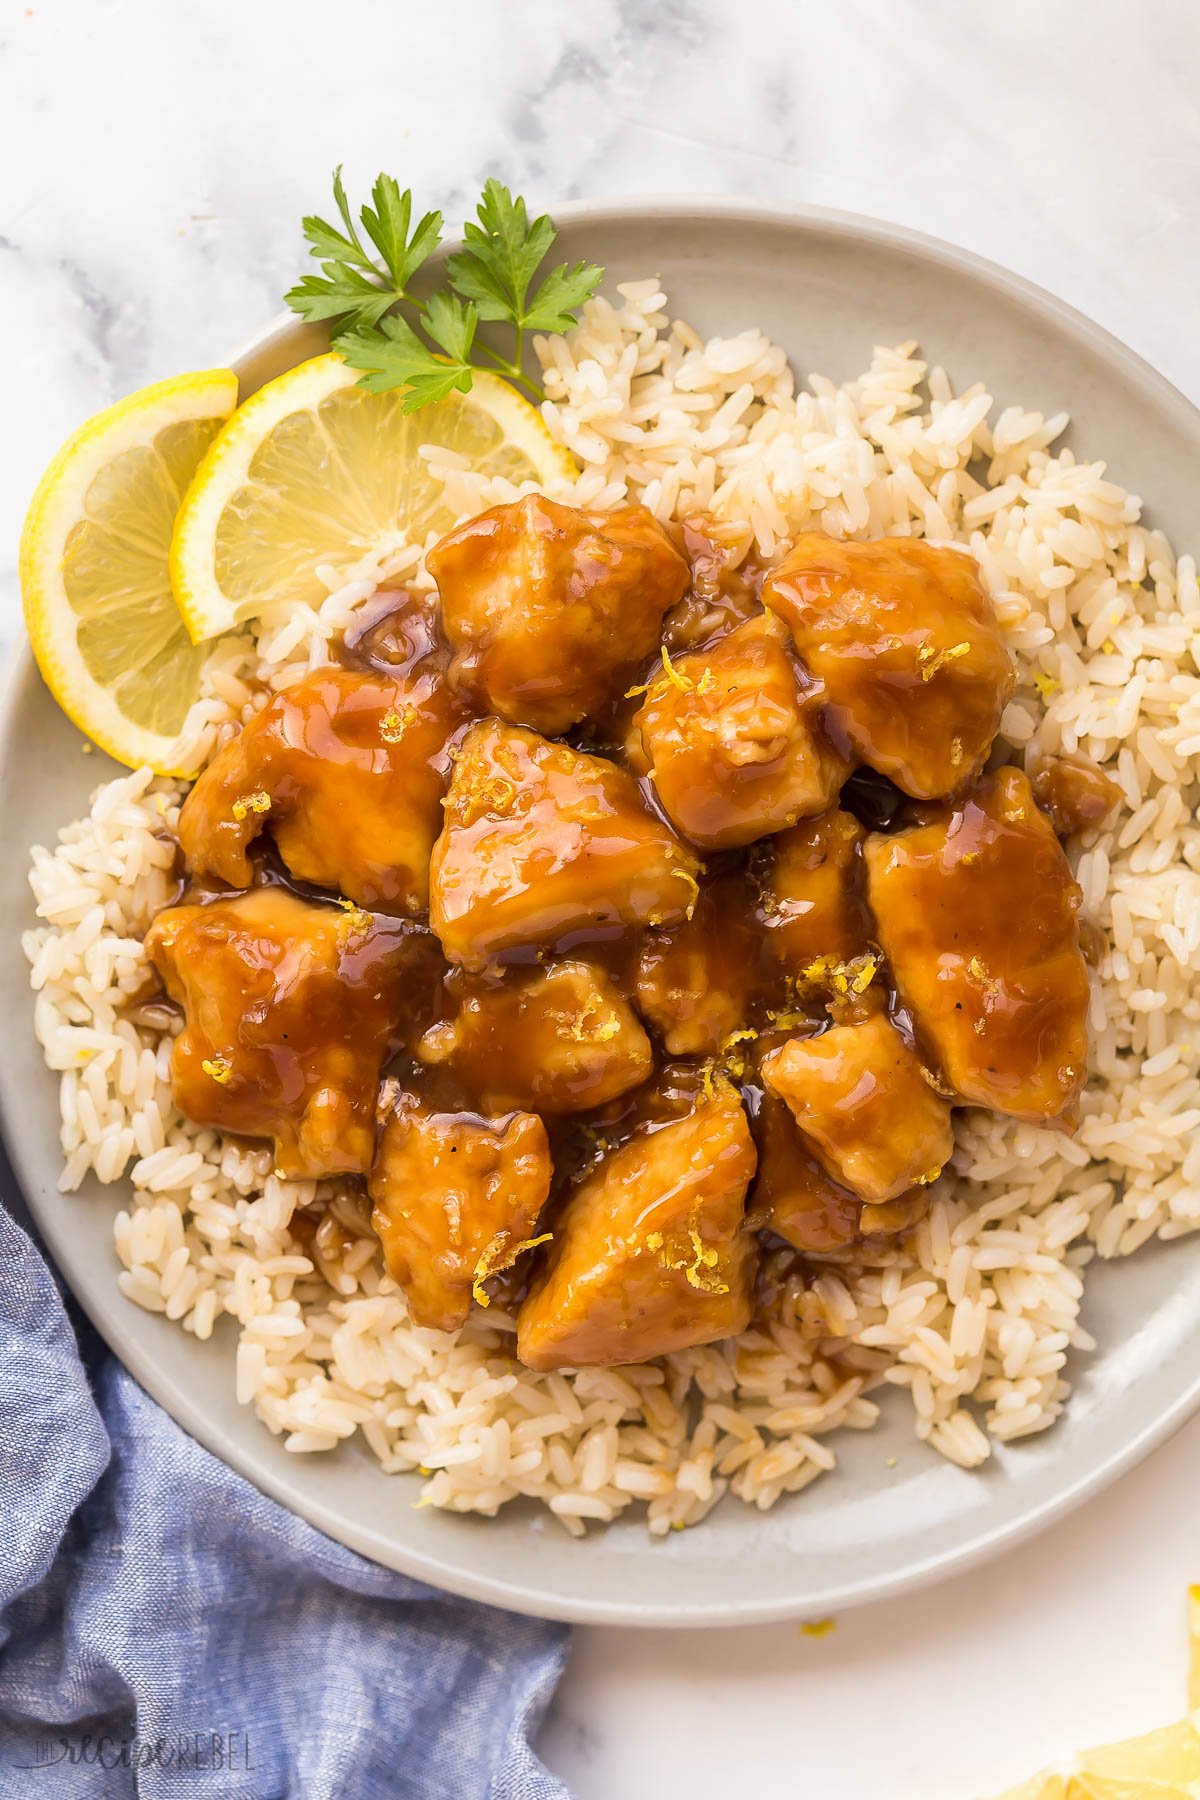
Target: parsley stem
point(512, 369)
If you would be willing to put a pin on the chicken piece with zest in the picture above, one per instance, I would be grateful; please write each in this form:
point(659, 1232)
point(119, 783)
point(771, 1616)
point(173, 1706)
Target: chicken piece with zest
point(560, 1039)
point(289, 1009)
point(858, 1094)
point(732, 738)
point(813, 903)
point(649, 1254)
point(978, 914)
point(346, 770)
point(696, 980)
point(540, 842)
point(905, 639)
point(547, 608)
point(456, 1200)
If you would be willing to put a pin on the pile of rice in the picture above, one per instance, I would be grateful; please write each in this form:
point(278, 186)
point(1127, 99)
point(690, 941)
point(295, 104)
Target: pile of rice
point(976, 1314)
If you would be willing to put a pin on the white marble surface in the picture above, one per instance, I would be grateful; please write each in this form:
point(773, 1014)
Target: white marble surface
point(157, 158)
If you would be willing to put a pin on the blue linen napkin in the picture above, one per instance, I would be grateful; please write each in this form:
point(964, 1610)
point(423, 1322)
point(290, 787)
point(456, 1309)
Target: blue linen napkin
point(166, 1630)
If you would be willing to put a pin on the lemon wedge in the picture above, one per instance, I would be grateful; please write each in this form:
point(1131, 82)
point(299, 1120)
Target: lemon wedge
point(102, 619)
point(314, 469)
point(1159, 1765)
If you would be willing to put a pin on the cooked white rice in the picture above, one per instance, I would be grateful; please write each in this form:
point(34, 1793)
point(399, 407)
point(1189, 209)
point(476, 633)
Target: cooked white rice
point(977, 1314)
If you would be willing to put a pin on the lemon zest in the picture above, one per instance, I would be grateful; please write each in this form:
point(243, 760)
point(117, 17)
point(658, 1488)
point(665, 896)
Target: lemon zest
point(218, 1069)
point(1046, 685)
point(788, 1018)
point(818, 1628)
point(395, 723)
point(844, 978)
point(355, 918)
point(258, 802)
point(675, 676)
point(694, 885)
point(479, 796)
point(692, 1258)
point(979, 972)
point(498, 1256)
point(931, 660)
point(591, 1027)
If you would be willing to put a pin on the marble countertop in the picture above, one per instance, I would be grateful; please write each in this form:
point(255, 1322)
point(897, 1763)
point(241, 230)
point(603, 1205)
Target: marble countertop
point(158, 159)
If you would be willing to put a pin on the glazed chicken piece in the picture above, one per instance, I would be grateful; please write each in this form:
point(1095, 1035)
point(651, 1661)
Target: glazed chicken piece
point(1077, 795)
point(457, 1198)
point(696, 980)
point(289, 1008)
point(346, 770)
point(541, 841)
point(723, 590)
point(977, 912)
point(863, 1105)
point(560, 1039)
point(649, 1254)
point(813, 905)
point(732, 739)
point(906, 642)
point(547, 608)
point(792, 1193)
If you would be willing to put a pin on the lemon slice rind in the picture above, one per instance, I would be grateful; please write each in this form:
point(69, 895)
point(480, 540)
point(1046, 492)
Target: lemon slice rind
point(57, 507)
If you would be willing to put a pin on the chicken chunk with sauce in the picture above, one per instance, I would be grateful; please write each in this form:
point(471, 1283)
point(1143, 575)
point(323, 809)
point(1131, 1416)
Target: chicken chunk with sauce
point(723, 589)
point(541, 841)
point(456, 1200)
point(813, 903)
point(560, 1039)
point(1074, 791)
point(650, 1254)
point(905, 639)
point(732, 739)
point(792, 1194)
point(696, 980)
point(547, 607)
point(289, 1009)
point(977, 912)
point(858, 1094)
point(346, 770)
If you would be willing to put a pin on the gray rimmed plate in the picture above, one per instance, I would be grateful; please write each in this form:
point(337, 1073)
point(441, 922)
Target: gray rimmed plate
point(828, 287)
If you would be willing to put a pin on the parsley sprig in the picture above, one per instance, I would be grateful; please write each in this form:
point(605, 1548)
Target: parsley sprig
point(429, 345)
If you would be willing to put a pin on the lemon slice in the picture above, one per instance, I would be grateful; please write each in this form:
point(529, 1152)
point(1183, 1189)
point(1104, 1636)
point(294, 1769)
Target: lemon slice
point(102, 619)
point(314, 469)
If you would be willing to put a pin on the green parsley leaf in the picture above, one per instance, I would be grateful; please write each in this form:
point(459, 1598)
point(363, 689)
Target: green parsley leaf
point(340, 293)
point(391, 355)
point(363, 287)
point(555, 305)
point(502, 252)
point(387, 226)
point(451, 323)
